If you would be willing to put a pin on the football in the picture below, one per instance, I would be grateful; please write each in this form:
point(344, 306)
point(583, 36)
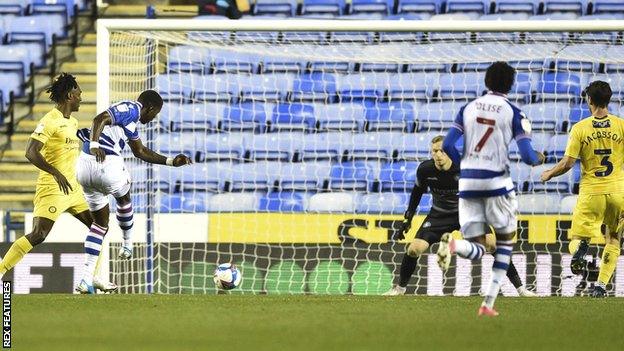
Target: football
point(227, 276)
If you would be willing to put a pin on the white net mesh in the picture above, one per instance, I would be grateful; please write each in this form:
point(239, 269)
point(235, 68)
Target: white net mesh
point(306, 148)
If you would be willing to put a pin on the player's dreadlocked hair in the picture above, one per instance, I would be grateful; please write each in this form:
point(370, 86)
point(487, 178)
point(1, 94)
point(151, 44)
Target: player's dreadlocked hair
point(62, 86)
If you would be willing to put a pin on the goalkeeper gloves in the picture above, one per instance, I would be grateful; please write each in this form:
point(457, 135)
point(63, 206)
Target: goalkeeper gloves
point(404, 227)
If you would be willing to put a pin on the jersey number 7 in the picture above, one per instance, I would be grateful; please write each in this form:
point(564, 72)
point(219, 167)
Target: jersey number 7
point(491, 123)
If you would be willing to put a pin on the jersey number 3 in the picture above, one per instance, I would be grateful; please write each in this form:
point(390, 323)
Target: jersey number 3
point(605, 162)
point(490, 123)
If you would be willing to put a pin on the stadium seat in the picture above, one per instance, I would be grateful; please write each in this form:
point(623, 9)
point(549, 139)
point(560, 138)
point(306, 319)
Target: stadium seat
point(202, 177)
point(515, 6)
point(390, 116)
point(337, 61)
point(419, 6)
point(304, 37)
point(289, 201)
point(256, 37)
point(383, 203)
point(14, 7)
point(351, 37)
point(520, 175)
point(466, 6)
point(398, 176)
point(384, 7)
point(538, 203)
point(415, 147)
point(167, 179)
point(35, 32)
point(266, 87)
point(577, 50)
point(314, 87)
point(306, 176)
point(179, 143)
point(188, 59)
point(357, 176)
point(546, 116)
point(220, 87)
point(62, 10)
point(283, 59)
point(561, 184)
point(189, 202)
point(508, 16)
point(202, 117)
point(540, 142)
point(273, 146)
point(256, 176)
point(342, 117)
point(362, 86)
point(11, 82)
point(325, 146)
point(614, 51)
point(608, 6)
point(344, 202)
point(229, 61)
point(175, 87)
point(402, 37)
point(221, 147)
point(412, 86)
point(428, 56)
point(438, 115)
point(556, 147)
point(461, 85)
point(523, 87)
point(577, 113)
point(234, 202)
point(567, 204)
point(292, 117)
point(275, 7)
point(576, 6)
point(397, 51)
point(559, 86)
point(247, 116)
point(323, 7)
point(374, 145)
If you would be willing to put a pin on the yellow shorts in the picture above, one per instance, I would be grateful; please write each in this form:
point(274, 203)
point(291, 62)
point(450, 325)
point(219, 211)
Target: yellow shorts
point(592, 211)
point(50, 202)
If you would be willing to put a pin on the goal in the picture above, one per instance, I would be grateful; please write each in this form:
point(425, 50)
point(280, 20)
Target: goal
point(306, 135)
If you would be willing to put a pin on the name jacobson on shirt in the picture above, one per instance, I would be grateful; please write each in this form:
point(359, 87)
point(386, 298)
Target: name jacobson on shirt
point(601, 134)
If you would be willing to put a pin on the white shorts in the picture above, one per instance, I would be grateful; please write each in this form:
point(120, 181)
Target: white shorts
point(99, 180)
point(498, 211)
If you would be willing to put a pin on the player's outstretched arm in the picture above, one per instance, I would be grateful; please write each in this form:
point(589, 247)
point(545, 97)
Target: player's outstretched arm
point(101, 120)
point(141, 152)
point(449, 144)
point(33, 154)
point(528, 154)
point(562, 167)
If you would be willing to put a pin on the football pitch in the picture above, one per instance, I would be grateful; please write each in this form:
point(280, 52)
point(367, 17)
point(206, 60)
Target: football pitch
point(299, 322)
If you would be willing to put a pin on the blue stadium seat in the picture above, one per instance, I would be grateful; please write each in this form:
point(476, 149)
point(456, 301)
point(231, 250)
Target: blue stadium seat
point(247, 116)
point(178, 143)
point(175, 87)
point(402, 37)
point(577, 50)
point(357, 176)
point(293, 117)
point(561, 184)
point(479, 6)
point(235, 202)
point(374, 145)
point(288, 201)
point(188, 202)
point(371, 6)
point(567, 204)
point(614, 51)
point(342, 202)
point(538, 203)
point(419, 6)
point(415, 147)
point(344, 117)
point(266, 87)
point(226, 61)
point(599, 37)
point(256, 176)
point(12, 81)
point(197, 117)
point(390, 116)
point(461, 85)
point(438, 115)
point(62, 10)
point(314, 87)
point(273, 146)
point(16, 58)
point(222, 147)
point(546, 116)
point(306, 176)
point(577, 113)
point(203, 176)
point(332, 59)
point(507, 16)
point(14, 7)
point(304, 37)
point(539, 141)
point(362, 86)
point(188, 59)
point(412, 85)
point(398, 176)
point(37, 31)
point(351, 37)
point(256, 37)
point(608, 6)
point(523, 87)
point(325, 146)
point(167, 179)
point(275, 7)
point(481, 56)
point(386, 203)
point(526, 6)
point(559, 86)
point(220, 87)
point(520, 175)
point(284, 61)
point(557, 146)
point(576, 6)
point(316, 7)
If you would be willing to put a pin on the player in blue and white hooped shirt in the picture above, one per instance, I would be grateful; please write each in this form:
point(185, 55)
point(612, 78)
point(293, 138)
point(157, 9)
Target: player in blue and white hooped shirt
point(486, 191)
point(101, 171)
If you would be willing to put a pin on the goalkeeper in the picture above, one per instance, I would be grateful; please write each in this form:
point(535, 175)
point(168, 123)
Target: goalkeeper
point(441, 176)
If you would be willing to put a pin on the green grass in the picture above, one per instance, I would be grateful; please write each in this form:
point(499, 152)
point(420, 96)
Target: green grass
point(228, 322)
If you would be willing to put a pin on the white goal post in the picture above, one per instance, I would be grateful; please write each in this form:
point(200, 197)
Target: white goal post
point(357, 81)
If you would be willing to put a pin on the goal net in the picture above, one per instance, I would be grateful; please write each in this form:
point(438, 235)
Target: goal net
point(306, 137)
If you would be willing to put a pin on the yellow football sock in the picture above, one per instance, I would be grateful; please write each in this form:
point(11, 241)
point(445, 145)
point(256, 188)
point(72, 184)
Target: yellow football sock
point(15, 254)
point(610, 256)
point(573, 246)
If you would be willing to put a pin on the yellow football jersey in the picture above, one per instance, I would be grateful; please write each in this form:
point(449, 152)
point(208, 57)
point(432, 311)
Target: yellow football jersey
point(599, 144)
point(61, 146)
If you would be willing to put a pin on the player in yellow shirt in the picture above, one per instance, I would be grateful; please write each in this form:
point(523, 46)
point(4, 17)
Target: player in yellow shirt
point(53, 148)
point(598, 142)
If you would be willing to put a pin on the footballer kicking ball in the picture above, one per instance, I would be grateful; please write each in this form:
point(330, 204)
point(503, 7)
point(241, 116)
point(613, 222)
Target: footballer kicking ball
point(227, 276)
